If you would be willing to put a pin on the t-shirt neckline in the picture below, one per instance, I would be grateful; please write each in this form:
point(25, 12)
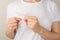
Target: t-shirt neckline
point(31, 3)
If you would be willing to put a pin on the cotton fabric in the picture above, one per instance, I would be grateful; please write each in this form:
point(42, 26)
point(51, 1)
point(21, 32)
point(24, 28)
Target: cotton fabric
point(46, 12)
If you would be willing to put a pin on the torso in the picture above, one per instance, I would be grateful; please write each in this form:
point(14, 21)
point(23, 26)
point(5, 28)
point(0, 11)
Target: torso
point(37, 10)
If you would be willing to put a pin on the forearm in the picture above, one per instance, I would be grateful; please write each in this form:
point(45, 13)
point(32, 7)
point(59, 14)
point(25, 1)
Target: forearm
point(10, 33)
point(48, 35)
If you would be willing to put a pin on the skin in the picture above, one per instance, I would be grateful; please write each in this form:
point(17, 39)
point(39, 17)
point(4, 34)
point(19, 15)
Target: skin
point(33, 23)
point(12, 26)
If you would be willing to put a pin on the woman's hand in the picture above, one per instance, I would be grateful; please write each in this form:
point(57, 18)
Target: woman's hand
point(12, 25)
point(32, 23)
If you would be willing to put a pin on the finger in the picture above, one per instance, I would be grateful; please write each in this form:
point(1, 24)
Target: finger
point(11, 25)
point(11, 21)
point(26, 19)
point(18, 19)
point(32, 17)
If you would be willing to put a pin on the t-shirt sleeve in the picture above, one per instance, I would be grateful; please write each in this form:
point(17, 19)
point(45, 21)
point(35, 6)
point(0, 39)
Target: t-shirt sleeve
point(11, 11)
point(55, 12)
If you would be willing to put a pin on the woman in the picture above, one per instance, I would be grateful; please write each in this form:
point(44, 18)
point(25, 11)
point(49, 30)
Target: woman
point(42, 20)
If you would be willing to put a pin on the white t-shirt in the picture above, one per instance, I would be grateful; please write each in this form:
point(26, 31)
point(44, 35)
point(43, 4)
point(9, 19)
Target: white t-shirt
point(45, 11)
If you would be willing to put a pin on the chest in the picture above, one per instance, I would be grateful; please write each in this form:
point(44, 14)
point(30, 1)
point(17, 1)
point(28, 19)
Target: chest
point(36, 10)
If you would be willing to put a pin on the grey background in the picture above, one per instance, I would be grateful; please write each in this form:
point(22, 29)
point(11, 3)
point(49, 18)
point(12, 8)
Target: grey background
point(3, 7)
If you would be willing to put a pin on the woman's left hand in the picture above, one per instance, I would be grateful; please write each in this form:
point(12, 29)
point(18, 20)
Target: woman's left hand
point(32, 23)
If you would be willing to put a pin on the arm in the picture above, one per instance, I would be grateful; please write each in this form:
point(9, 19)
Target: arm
point(55, 32)
point(54, 35)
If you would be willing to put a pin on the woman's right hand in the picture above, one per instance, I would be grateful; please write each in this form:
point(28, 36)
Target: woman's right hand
point(12, 25)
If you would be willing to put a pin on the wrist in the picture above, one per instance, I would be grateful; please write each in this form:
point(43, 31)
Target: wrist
point(39, 30)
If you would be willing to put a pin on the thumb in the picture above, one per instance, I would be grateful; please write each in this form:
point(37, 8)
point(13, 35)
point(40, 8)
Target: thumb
point(18, 19)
